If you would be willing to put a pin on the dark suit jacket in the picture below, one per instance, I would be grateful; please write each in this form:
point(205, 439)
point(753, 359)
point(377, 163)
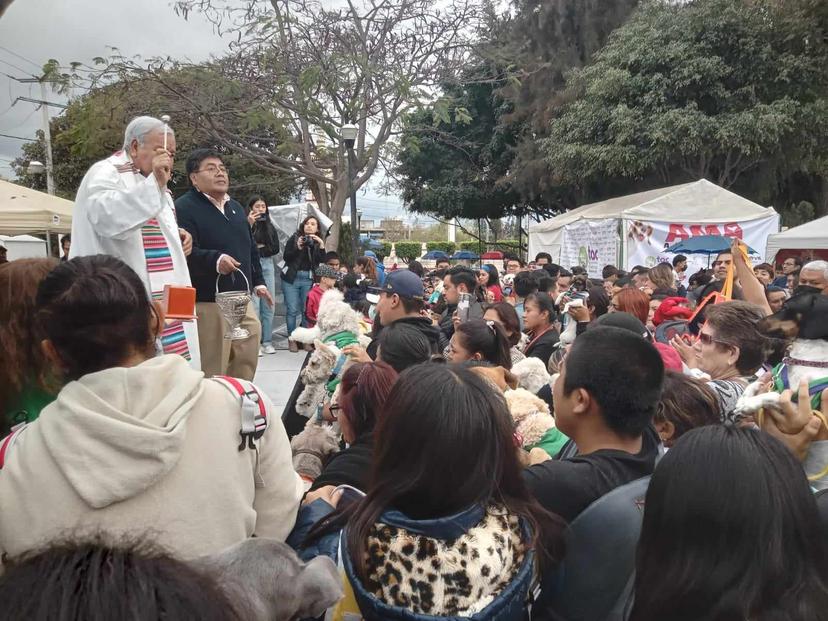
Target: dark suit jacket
point(214, 234)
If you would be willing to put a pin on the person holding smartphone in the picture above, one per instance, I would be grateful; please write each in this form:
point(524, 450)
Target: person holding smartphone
point(267, 242)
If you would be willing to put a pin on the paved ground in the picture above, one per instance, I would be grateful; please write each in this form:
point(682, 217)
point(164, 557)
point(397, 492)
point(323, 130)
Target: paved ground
point(276, 375)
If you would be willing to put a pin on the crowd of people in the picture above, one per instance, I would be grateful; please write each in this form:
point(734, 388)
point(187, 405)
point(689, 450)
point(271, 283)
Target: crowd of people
point(490, 415)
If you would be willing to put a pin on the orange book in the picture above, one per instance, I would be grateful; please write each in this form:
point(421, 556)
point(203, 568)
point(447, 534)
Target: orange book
point(179, 302)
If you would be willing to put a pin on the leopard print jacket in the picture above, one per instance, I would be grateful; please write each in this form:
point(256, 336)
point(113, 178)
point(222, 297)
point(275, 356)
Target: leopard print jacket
point(457, 577)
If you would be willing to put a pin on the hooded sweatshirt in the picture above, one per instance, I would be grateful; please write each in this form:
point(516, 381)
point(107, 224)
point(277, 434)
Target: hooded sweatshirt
point(150, 450)
point(423, 324)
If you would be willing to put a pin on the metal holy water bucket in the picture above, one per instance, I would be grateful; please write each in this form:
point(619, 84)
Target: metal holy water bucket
point(233, 307)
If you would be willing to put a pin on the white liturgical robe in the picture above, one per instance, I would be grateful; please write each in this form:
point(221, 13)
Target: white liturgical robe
point(117, 210)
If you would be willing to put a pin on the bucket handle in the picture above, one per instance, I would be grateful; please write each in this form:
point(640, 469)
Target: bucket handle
point(232, 275)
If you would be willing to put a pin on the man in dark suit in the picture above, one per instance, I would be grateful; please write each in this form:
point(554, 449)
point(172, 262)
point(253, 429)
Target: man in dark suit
point(223, 249)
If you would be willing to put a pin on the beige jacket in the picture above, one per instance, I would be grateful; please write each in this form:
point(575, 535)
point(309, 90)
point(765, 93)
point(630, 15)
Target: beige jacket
point(149, 451)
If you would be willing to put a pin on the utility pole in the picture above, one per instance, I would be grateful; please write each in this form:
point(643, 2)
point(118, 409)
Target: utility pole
point(47, 133)
point(47, 136)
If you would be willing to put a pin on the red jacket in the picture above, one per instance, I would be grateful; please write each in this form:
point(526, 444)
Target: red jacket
point(312, 304)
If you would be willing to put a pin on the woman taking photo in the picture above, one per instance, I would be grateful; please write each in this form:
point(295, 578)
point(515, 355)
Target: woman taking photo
point(731, 531)
point(506, 315)
point(478, 339)
point(489, 279)
point(447, 528)
point(538, 315)
point(362, 395)
point(304, 250)
point(267, 242)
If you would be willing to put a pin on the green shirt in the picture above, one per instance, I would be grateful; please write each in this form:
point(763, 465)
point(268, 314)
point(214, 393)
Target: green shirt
point(28, 404)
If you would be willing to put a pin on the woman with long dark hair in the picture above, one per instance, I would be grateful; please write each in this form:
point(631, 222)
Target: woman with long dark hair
point(304, 250)
point(448, 528)
point(489, 279)
point(506, 315)
point(363, 392)
point(731, 531)
point(267, 243)
point(478, 339)
point(538, 315)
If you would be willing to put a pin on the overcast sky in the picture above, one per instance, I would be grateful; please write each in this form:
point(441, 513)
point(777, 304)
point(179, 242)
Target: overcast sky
point(79, 30)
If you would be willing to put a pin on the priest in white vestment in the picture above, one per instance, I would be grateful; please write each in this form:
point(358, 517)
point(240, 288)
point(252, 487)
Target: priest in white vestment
point(123, 209)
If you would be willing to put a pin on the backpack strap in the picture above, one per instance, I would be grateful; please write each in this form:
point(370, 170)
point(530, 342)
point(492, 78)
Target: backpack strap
point(7, 442)
point(253, 410)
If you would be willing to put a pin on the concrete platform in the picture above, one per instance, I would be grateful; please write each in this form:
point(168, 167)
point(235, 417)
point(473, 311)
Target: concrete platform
point(276, 375)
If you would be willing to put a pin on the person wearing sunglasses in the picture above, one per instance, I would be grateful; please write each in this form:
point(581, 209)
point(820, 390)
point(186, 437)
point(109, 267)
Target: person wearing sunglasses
point(729, 349)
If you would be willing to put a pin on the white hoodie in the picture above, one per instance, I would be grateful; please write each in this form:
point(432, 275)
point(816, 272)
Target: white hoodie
point(152, 451)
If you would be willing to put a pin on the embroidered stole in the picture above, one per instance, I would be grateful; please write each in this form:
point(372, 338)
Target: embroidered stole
point(160, 272)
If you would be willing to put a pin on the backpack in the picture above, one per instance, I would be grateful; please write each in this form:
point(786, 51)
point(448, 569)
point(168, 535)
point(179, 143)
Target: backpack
point(253, 417)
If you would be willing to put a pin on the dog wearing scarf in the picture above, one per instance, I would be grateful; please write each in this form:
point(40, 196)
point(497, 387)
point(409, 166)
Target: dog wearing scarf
point(337, 326)
point(803, 320)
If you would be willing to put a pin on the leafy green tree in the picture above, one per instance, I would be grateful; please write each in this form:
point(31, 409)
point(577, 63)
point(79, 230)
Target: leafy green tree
point(92, 128)
point(408, 251)
point(727, 90)
point(300, 70)
point(543, 42)
point(446, 246)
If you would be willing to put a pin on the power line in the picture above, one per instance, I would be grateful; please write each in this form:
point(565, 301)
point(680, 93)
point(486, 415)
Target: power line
point(31, 62)
point(18, 137)
point(5, 62)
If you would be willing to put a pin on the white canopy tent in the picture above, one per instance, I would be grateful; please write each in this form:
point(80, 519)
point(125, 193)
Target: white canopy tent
point(809, 236)
point(23, 210)
point(24, 247)
point(635, 228)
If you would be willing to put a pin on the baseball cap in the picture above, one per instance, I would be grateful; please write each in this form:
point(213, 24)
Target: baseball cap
point(326, 271)
point(402, 282)
point(624, 321)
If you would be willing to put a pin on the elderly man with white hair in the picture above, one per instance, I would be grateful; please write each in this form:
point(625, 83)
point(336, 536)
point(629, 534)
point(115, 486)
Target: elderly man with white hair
point(123, 208)
point(815, 274)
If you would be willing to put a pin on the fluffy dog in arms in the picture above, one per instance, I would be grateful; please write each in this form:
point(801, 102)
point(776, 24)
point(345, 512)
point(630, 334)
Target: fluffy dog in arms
point(337, 326)
point(804, 319)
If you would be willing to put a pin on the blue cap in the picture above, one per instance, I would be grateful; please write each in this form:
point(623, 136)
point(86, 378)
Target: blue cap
point(404, 283)
point(370, 253)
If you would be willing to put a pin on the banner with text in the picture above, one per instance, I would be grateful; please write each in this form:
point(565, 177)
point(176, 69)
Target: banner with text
point(647, 241)
point(591, 244)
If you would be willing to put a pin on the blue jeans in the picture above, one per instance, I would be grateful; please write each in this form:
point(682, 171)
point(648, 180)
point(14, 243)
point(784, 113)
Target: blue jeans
point(295, 295)
point(264, 311)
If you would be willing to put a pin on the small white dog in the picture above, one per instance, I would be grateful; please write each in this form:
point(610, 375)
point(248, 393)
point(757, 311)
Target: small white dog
point(532, 374)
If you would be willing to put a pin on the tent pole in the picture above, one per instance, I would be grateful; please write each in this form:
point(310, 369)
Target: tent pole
point(48, 243)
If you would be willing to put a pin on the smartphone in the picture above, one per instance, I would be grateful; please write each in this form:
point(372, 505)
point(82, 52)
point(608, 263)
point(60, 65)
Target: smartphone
point(463, 306)
point(349, 495)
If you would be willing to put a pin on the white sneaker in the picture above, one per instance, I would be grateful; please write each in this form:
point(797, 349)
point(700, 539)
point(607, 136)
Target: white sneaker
point(269, 349)
point(261, 352)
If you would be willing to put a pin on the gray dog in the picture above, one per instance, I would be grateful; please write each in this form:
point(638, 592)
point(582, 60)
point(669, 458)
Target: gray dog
point(266, 581)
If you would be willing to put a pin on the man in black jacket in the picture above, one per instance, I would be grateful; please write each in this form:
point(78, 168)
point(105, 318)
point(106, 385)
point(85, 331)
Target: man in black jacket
point(223, 251)
point(459, 279)
point(402, 299)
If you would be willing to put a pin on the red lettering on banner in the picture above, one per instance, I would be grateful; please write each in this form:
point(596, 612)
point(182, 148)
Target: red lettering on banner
point(679, 232)
point(732, 229)
point(676, 232)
